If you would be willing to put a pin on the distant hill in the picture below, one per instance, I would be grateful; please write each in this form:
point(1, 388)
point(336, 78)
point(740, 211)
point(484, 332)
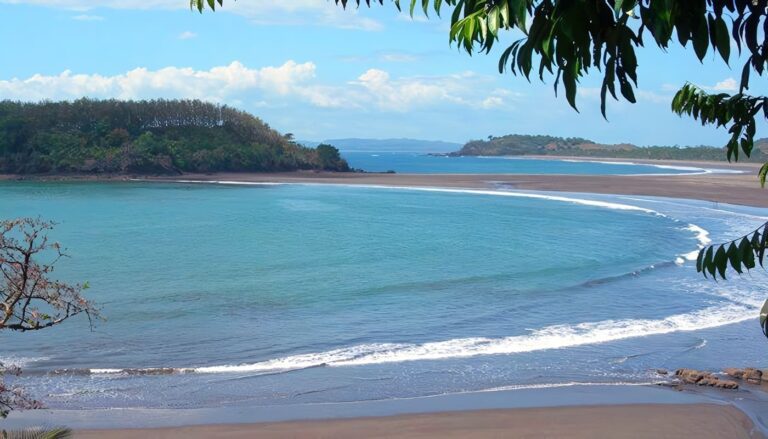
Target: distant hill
point(393, 145)
point(519, 144)
point(147, 137)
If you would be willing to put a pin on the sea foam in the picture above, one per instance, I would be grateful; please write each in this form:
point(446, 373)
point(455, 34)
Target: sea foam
point(550, 337)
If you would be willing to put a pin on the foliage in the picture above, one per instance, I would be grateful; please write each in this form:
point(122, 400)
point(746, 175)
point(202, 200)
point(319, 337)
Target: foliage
point(29, 299)
point(144, 137)
point(720, 109)
point(741, 254)
point(13, 397)
point(38, 433)
point(329, 157)
point(517, 144)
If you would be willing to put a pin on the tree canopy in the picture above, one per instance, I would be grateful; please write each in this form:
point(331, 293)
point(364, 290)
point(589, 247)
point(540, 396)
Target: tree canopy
point(145, 137)
point(30, 300)
point(520, 144)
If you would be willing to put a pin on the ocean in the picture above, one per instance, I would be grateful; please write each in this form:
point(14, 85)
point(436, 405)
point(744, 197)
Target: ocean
point(265, 295)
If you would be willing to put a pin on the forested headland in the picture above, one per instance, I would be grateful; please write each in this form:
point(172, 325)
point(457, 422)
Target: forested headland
point(147, 137)
point(519, 144)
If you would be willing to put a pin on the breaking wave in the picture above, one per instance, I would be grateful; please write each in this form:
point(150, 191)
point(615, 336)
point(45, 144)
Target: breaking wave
point(550, 337)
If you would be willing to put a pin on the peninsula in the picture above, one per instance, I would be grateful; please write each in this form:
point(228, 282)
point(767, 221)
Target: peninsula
point(157, 137)
point(542, 145)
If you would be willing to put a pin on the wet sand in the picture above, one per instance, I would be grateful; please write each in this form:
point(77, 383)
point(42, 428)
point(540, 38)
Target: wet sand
point(743, 189)
point(700, 421)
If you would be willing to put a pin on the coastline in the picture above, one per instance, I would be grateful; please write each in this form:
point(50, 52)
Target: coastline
point(741, 189)
point(740, 166)
point(620, 421)
point(733, 188)
point(576, 411)
point(582, 418)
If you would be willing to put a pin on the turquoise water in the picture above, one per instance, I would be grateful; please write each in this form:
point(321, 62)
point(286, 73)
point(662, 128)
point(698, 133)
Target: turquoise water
point(415, 163)
point(285, 294)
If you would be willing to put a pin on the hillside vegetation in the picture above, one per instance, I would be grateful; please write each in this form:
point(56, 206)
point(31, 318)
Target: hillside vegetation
point(147, 137)
point(518, 144)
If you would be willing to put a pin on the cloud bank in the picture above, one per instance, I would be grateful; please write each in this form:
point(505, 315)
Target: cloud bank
point(288, 84)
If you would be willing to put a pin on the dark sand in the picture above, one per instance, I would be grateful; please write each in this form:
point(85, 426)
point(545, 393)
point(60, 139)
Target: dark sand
point(741, 189)
point(700, 421)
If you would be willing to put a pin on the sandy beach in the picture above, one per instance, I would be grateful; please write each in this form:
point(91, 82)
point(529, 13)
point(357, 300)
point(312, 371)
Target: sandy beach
point(622, 421)
point(743, 189)
point(733, 188)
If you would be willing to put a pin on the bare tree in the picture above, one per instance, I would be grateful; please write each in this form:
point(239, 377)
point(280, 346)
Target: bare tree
point(29, 299)
point(13, 397)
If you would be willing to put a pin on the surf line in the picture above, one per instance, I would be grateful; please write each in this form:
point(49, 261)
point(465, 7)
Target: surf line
point(702, 235)
point(546, 338)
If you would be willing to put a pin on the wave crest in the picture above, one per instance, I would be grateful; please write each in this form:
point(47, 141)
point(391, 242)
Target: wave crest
point(550, 337)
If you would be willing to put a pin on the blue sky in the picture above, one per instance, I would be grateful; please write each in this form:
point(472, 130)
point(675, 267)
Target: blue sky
point(313, 69)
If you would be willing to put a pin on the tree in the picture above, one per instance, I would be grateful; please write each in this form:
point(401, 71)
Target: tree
point(160, 136)
point(29, 299)
point(568, 39)
point(329, 157)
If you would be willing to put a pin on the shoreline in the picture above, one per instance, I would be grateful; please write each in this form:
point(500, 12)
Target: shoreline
point(619, 421)
point(739, 189)
point(695, 418)
point(711, 164)
point(581, 412)
point(733, 188)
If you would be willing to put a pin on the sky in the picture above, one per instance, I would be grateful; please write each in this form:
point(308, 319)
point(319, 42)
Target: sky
point(310, 68)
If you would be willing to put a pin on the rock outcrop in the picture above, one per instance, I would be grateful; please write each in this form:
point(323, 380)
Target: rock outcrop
point(749, 374)
point(703, 378)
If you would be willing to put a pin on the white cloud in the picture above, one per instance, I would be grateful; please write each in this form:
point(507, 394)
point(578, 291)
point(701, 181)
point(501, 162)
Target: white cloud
point(728, 84)
point(187, 35)
point(404, 94)
point(217, 84)
point(264, 12)
point(86, 17)
point(288, 84)
point(492, 102)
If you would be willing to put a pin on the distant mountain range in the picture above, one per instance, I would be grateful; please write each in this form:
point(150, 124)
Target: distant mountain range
point(519, 144)
point(387, 145)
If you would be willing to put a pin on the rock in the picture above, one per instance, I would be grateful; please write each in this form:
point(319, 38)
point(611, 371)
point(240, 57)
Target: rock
point(765, 375)
point(662, 371)
point(726, 384)
point(752, 375)
point(701, 378)
point(749, 374)
point(691, 376)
